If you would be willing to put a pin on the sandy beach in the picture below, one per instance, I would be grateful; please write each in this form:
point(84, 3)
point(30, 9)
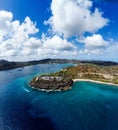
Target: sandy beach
point(95, 81)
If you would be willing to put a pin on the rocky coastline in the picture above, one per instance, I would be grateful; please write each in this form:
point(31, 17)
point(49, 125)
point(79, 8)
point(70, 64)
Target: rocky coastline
point(63, 79)
point(46, 83)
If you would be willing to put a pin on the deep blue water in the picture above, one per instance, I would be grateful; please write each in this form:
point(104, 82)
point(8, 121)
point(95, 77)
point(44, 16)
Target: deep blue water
point(87, 106)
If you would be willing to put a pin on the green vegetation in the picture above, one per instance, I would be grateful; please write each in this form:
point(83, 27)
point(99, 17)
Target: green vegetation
point(90, 71)
point(5, 65)
point(63, 79)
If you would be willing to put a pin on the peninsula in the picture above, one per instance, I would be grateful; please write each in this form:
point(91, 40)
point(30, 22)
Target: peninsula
point(51, 83)
point(64, 79)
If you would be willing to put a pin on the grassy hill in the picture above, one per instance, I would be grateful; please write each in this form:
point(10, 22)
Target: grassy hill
point(5, 65)
point(90, 71)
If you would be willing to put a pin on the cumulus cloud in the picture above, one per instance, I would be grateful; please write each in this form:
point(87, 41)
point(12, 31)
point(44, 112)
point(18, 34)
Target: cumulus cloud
point(18, 41)
point(56, 46)
point(94, 41)
point(13, 35)
point(109, 53)
point(94, 44)
point(97, 48)
point(74, 17)
point(5, 19)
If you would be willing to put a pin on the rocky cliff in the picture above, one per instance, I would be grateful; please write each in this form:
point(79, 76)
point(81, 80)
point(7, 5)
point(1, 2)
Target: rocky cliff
point(51, 83)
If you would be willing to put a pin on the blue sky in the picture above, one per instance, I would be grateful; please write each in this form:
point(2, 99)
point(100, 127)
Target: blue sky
point(72, 29)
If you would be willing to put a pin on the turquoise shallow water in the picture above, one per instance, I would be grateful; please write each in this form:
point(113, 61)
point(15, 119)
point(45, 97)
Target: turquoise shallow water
point(87, 106)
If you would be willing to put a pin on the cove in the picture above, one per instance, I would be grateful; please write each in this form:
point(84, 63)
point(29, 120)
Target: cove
point(87, 106)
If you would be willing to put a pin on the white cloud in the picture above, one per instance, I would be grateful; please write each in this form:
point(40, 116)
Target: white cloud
point(111, 52)
point(17, 43)
point(95, 41)
point(57, 47)
point(91, 52)
point(94, 44)
point(74, 17)
point(57, 43)
point(14, 36)
point(5, 19)
point(107, 54)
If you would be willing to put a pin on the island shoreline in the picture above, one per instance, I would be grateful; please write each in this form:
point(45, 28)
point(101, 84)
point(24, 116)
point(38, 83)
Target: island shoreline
point(49, 91)
point(75, 80)
point(49, 84)
point(94, 81)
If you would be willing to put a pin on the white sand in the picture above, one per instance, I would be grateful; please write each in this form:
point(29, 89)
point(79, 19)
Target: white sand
point(90, 80)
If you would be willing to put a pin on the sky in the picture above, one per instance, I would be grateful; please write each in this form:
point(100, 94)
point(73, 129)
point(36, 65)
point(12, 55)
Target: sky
point(66, 29)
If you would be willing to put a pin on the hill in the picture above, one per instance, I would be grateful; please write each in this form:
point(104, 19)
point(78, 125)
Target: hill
point(63, 79)
point(5, 65)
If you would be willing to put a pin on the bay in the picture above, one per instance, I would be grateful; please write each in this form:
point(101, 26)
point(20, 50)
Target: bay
point(87, 106)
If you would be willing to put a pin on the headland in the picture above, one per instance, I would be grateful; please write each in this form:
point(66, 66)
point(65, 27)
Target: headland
point(64, 79)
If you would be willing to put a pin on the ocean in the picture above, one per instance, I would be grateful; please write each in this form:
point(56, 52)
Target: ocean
point(87, 106)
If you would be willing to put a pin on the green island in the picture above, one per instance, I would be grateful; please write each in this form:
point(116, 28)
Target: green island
point(64, 79)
